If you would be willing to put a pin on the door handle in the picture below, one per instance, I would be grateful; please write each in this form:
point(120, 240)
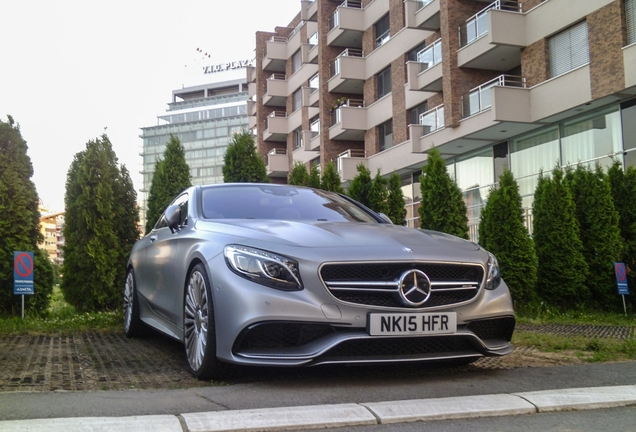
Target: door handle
point(153, 238)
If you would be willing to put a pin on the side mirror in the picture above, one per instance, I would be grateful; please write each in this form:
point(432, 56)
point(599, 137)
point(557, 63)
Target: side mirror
point(173, 217)
point(386, 218)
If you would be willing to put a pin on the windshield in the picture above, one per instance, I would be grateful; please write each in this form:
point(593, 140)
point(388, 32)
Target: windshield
point(281, 203)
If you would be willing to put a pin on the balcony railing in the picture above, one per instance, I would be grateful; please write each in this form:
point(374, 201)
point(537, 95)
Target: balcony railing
point(477, 25)
point(277, 114)
point(314, 127)
point(313, 39)
point(480, 98)
point(279, 77)
point(334, 20)
point(336, 116)
point(295, 30)
point(349, 52)
point(278, 39)
point(432, 119)
point(277, 151)
point(347, 154)
point(430, 56)
point(422, 3)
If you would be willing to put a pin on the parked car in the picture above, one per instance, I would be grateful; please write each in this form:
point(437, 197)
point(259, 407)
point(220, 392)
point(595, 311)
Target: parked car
point(280, 275)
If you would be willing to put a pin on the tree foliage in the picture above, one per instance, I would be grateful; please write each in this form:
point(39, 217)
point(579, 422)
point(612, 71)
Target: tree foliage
point(599, 231)
point(379, 194)
point(171, 176)
point(331, 179)
point(20, 222)
point(298, 175)
point(100, 228)
point(314, 176)
point(623, 185)
point(502, 232)
point(242, 163)
point(442, 207)
point(396, 204)
point(360, 186)
point(562, 270)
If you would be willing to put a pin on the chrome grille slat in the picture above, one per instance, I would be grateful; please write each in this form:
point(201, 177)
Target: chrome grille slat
point(450, 283)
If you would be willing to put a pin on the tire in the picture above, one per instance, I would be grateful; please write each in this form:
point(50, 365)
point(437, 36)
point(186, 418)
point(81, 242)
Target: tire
point(133, 326)
point(199, 332)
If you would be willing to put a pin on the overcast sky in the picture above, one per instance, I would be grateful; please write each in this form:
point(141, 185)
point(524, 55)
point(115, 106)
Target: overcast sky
point(71, 68)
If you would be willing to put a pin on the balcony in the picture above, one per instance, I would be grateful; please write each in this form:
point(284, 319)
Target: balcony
point(349, 121)
point(276, 127)
point(347, 163)
point(251, 107)
point(312, 51)
point(492, 39)
point(275, 56)
point(277, 163)
point(314, 141)
point(432, 120)
point(275, 91)
point(480, 98)
point(308, 10)
point(346, 25)
point(303, 153)
point(425, 74)
point(310, 97)
point(250, 71)
point(422, 14)
point(629, 59)
point(348, 72)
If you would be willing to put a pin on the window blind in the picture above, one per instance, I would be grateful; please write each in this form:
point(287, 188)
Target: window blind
point(630, 17)
point(569, 49)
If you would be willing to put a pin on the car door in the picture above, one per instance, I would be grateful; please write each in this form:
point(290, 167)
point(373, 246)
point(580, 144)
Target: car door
point(163, 283)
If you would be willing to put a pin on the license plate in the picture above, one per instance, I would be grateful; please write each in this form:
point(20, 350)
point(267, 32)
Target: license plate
point(412, 323)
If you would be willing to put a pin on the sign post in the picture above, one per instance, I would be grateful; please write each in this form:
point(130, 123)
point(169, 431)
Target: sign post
point(621, 281)
point(23, 275)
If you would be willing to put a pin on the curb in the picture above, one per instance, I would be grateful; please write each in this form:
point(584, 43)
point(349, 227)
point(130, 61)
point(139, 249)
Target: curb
point(343, 415)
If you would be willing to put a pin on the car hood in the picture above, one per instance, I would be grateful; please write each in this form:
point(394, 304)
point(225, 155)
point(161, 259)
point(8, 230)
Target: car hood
point(337, 234)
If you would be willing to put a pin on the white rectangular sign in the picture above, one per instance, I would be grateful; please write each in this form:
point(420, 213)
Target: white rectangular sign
point(383, 324)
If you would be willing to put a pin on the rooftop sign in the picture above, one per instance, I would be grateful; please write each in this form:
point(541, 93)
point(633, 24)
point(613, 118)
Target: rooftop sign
point(227, 66)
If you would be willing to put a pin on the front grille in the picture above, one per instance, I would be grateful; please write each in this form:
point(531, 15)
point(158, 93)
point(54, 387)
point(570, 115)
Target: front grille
point(376, 284)
point(281, 335)
point(402, 348)
point(493, 329)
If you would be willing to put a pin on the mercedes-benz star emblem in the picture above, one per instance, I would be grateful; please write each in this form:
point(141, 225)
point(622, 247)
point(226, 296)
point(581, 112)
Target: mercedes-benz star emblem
point(414, 288)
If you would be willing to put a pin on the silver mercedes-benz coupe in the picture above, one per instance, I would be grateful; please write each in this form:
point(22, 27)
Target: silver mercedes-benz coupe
point(279, 275)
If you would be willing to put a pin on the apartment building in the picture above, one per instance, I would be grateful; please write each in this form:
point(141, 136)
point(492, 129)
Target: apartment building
point(524, 85)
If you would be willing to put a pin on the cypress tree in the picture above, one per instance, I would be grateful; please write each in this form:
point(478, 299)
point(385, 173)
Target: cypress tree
point(442, 207)
point(331, 179)
point(20, 222)
point(599, 231)
point(502, 231)
point(314, 176)
point(623, 185)
point(562, 269)
point(379, 194)
point(397, 209)
point(242, 163)
point(298, 175)
point(171, 176)
point(361, 184)
point(98, 200)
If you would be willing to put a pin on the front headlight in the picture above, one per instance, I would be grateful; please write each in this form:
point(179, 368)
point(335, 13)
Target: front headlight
point(264, 267)
point(494, 275)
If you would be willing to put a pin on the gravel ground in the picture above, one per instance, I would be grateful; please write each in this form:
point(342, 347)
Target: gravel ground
point(95, 361)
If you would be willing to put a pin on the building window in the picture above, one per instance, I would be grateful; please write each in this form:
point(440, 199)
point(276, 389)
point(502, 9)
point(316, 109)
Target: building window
point(385, 135)
point(630, 18)
point(415, 113)
point(382, 31)
point(298, 138)
point(384, 82)
point(569, 49)
point(296, 100)
point(314, 82)
point(296, 63)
